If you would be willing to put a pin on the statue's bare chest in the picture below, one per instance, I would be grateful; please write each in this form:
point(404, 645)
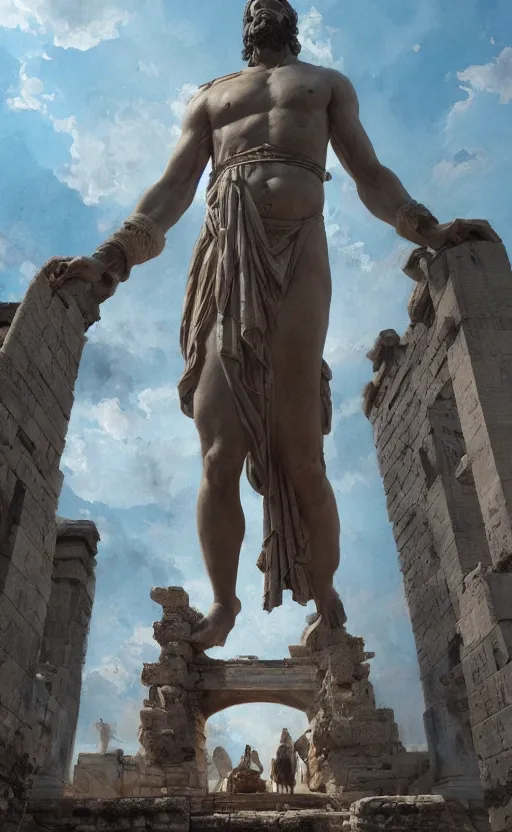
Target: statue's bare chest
point(261, 93)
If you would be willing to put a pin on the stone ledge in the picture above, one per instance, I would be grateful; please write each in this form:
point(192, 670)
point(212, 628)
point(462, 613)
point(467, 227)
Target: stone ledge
point(167, 814)
point(84, 530)
point(303, 821)
point(423, 813)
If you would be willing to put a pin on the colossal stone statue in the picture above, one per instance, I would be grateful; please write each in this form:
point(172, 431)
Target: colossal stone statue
point(257, 301)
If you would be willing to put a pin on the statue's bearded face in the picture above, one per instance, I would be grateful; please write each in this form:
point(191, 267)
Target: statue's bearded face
point(269, 24)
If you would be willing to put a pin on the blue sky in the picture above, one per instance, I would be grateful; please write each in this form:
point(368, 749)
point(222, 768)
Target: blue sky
point(92, 96)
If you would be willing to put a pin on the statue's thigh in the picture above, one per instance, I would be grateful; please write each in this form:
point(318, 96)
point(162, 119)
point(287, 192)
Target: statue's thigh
point(215, 414)
point(297, 350)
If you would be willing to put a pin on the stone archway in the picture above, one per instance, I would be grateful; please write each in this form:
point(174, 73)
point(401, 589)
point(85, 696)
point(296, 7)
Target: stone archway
point(289, 682)
point(355, 749)
point(222, 685)
point(259, 725)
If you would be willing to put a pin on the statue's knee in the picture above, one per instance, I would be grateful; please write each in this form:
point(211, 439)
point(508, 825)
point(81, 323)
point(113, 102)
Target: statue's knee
point(308, 477)
point(222, 466)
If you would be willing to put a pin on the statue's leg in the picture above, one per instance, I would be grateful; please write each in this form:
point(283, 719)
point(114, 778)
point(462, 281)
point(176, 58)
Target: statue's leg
point(220, 519)
point(297, 359)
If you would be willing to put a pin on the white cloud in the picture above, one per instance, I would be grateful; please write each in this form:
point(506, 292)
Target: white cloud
point(341, 349)
point(363, 474)
point(492, 77)
point(416, 47)
point(150, 69)
point(350, 407)
point(143, 455)
point(28, 270)
point(30, 93)
point(460, 107)
point(141, 638)
point(111, 419)
point(316, 44)
point(352, 251)
point(73, 25)
point(14, 15)
point(119, 158)
point(16, 248)
point(460, 165)
point(113, 670)
point(180, 103)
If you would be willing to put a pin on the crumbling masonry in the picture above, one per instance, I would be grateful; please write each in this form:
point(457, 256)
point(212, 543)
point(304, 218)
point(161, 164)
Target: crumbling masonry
point(46, 581)
point(441, 408)
point(355, 750)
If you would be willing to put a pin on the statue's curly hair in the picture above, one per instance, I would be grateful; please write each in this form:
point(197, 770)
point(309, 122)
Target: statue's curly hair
point(293, 18)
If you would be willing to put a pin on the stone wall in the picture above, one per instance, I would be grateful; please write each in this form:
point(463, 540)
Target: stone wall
point(39, 356)
point(441, 408)
point(188, 814)
point(64, 646)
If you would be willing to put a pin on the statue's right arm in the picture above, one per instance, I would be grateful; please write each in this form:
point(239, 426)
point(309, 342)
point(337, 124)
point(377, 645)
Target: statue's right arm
point(168, 199)
point(159, 209)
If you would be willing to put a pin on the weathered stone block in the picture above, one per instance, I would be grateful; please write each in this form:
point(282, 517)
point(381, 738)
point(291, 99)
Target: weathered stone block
point(171, 597)
point(171, 671)
point(429, 813)
point(165, 631)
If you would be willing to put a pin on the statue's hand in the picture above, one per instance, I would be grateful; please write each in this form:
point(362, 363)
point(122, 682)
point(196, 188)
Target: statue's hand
point(459, 231)
point(61, 269)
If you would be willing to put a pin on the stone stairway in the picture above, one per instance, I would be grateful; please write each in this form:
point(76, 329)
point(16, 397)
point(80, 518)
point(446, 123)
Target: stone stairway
point(301, 820)
point(246, 813)
point(301, 812)
point(270, 802)
point(249, 813)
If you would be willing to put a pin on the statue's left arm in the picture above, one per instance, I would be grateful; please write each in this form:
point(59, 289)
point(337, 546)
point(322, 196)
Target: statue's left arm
point(380, 190)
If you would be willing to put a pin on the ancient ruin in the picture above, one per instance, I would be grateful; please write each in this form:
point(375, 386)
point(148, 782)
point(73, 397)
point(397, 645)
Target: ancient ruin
point(441, 407)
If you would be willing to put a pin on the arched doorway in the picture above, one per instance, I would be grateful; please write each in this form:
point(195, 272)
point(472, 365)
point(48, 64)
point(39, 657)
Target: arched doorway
point(258, 725)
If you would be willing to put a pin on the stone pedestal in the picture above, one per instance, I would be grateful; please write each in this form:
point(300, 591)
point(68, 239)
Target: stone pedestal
point(245, 781)
point(355, 748)
point(99, 775)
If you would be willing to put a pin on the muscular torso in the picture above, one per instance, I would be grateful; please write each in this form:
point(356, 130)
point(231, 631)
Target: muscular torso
point(288, 107)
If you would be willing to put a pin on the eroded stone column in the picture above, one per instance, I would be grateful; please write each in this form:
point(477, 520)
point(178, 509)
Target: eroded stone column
point(64, 647)
point(472, 287)
point(39, 356)
point(172, 727)
point(441, 406)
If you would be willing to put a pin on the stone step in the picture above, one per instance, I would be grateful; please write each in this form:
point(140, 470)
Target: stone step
point(292, 821)
point(269, 801)
point(173, 814)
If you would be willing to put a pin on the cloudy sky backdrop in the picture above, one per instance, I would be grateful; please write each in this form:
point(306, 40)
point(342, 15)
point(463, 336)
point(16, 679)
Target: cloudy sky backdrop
point(92, 99)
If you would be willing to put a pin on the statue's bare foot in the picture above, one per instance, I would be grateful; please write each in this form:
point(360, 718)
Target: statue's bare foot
point(214, 628)
point(330, 609)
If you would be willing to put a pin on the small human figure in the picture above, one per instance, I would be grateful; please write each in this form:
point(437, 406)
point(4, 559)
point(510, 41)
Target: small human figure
point(106, 733)
point(245, 760)
point(283, 773)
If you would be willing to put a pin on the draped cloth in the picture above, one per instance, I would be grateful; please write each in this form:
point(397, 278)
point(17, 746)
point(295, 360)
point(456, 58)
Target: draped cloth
point(240, 271)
